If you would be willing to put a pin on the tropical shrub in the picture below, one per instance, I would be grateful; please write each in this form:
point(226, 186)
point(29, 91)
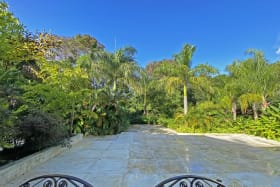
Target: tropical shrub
point(268, 125)
point(110, 119)
point(39, 130)
point(7, 129)
point(205, 117)
point(109, 115)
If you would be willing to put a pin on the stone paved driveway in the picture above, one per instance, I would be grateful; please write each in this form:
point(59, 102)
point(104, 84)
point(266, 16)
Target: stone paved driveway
point(145, 155)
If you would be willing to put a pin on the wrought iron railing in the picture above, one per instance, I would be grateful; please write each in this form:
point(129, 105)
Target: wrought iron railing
point(190, 181)
point(71, 181)
point(56, 181)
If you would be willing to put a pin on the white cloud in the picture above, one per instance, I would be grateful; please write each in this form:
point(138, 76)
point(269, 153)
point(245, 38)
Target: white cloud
point(278, 51)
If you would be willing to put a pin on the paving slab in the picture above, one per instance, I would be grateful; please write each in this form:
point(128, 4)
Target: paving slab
point(145, 155)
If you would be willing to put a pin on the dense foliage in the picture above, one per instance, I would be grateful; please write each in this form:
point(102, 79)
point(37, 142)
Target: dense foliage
point(52, 87)
point(245, 100)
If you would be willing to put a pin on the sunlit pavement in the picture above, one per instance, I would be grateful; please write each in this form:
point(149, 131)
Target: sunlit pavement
point(145, 155)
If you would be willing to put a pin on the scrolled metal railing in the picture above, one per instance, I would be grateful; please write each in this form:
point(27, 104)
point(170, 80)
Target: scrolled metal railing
point(56, 181)
point(190, 181)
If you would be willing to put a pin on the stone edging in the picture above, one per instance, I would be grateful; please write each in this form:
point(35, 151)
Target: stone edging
point(21, 166)
point(239, 138)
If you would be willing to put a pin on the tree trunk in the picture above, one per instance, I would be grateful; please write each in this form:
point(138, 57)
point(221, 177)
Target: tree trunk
point(185, 100)
point(233, 109)
point(145, 102)
point(72, 122)
point(264, 103)
point(254, 107)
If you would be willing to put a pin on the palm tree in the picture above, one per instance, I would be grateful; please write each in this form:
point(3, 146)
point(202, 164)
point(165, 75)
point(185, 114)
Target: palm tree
point(256, 80)
point(184, 59)
point(230, 92)
point(117, 69)
point(178, 72)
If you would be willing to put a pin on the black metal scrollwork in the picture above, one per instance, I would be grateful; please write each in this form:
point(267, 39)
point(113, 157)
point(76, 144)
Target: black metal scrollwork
point(71, 181)
point(183, 184)
point(48, 183)
point(56, 181)
point(190, 181)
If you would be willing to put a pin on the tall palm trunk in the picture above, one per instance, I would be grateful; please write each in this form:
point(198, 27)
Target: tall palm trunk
point(185, 100)
point(233, 109)
point(184, 60)
point(254, 107)
point(145, 102)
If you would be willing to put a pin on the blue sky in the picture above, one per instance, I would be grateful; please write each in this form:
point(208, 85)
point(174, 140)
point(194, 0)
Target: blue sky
point(222, 30)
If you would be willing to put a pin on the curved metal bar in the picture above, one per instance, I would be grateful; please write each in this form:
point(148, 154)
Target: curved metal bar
point(190, 181)
point(56, 180)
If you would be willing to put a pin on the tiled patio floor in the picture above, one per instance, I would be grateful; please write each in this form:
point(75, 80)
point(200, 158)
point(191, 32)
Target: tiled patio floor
point(145, 155)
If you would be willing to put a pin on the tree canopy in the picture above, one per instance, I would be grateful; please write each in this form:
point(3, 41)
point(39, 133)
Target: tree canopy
point(56, 86)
